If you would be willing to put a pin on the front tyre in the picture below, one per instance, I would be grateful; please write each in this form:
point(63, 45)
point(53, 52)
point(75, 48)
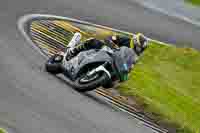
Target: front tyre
point(83, 84)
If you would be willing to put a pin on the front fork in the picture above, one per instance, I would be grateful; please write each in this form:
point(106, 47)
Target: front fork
point(100, 68)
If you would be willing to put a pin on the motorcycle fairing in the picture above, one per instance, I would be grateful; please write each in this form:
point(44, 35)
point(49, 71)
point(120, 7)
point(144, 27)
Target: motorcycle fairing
point(85, 58)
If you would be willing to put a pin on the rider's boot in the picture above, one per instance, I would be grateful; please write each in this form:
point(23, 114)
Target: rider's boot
point(72, 52)
point(91, 43)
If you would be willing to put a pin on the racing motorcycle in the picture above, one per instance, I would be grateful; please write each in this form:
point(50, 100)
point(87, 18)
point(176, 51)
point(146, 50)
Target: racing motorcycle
point(94, 68)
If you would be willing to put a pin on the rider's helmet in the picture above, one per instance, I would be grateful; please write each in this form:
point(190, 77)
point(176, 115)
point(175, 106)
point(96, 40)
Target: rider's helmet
point(140, 40)
point(140, 43)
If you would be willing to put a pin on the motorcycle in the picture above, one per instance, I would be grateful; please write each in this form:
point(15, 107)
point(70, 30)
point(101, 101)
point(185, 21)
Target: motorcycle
point(94, 68)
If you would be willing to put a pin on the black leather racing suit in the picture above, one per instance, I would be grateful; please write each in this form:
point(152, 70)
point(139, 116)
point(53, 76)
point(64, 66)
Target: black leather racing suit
point(56, 66)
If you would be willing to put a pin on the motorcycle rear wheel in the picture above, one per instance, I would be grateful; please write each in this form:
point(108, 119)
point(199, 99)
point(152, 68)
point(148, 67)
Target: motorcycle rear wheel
point(53, 65)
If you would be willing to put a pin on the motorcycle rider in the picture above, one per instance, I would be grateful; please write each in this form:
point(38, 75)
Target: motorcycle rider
point(55, 63)
point(138, 43)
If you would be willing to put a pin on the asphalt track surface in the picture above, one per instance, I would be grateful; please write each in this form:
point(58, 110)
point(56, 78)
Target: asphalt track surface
point(32, 101)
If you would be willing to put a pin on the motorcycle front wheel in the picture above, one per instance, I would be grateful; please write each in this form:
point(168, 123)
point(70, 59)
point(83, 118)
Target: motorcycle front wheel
point(85, 83)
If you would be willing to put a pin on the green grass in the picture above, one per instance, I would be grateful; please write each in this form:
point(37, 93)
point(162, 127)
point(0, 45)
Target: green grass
point(2, 130)
point(194, 2)
point(167, 82)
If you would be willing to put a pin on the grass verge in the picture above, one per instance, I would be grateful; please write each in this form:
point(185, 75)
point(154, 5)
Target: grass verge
point(2, 130)
point(166, 82)
point(194, 2)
